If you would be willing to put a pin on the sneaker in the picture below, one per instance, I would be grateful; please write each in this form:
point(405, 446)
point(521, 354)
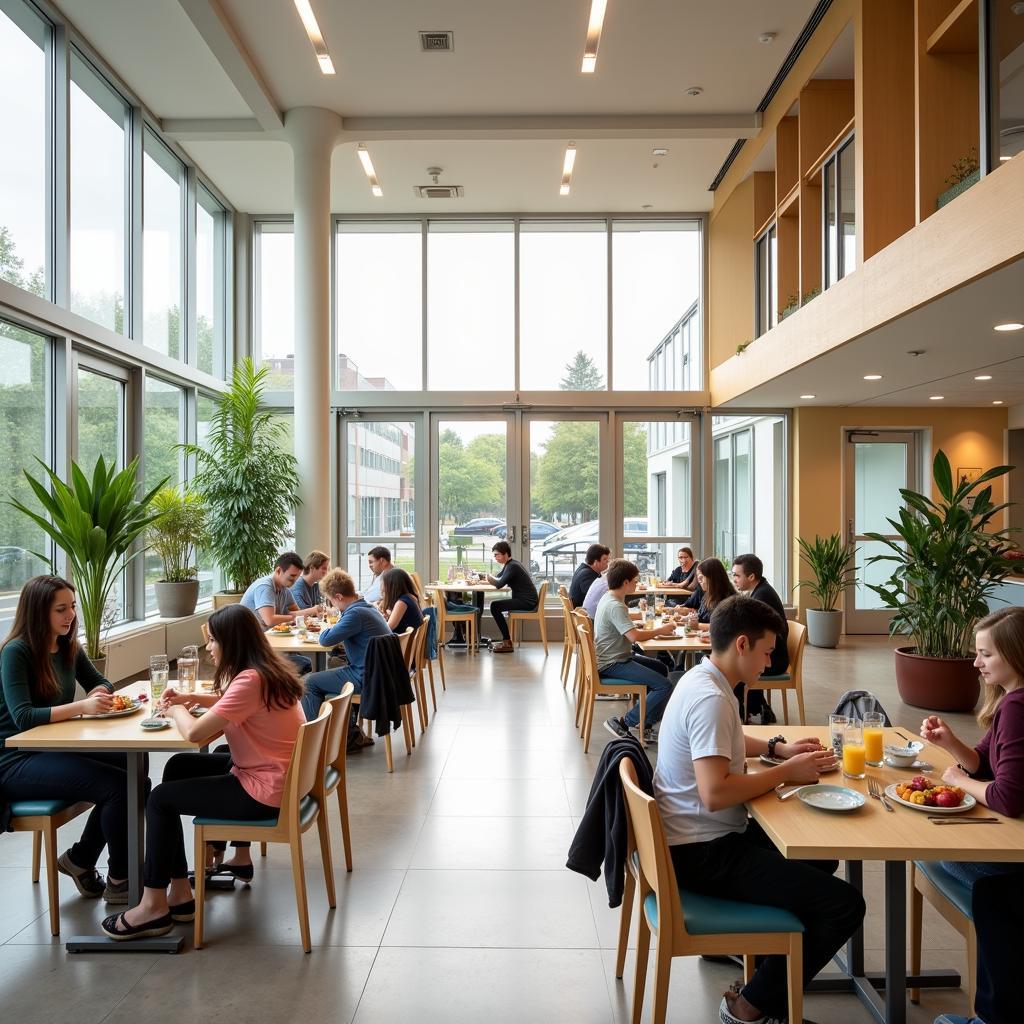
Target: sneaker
point(505, 647)
point(726, 1017)
point(88, 880)
point(617, 727)
point(650, 736)
point(116, 892)
point(767, 715)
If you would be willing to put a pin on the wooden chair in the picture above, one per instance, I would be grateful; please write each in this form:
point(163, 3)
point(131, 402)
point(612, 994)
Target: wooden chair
point(418, 584)
point(206, 633)
point(592, 684)
point(299, 810)
point(405, 640)
point(445, 618)
point(569, 643)
point(418, 656)
point(42, 818)
point(333, 779)
point(688, 924)
point(516, 619)
point(791, 680)
point(431, 604)
point(930, 881)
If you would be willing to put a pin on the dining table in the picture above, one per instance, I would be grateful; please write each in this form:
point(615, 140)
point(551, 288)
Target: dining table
point(294, 643)
point(897, 838)
point(478, 590)
point(123, 735)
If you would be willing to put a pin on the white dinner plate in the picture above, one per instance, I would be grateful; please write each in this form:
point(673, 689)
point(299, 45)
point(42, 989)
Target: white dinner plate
point(831, 798)
point(155, 724)
point(117, 714)
point(917, 766)
point(968, 804)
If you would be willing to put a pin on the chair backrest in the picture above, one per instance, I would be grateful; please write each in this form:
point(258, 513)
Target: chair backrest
point(337, 731)
point(307, 762)
point(419, 645)
point(796, 641)
point(206, 633)
point(585, 637)
point(418, 584)
point(542, 596)
point(405, 642)
point(567, 619)
point(656, 871)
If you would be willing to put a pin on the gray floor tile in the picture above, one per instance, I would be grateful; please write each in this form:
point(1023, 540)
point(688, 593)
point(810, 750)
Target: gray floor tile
point(500, 797)
point(493, 843)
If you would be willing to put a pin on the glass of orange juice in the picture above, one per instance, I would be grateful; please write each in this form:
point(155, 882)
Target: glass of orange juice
point(873, 723)
point(853, 750)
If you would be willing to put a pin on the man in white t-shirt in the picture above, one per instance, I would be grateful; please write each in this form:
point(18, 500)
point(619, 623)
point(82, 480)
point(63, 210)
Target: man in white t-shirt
point(701, 786)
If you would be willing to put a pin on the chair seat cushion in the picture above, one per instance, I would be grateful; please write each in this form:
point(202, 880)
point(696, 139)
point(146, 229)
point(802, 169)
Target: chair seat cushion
point(307, 812)
point(952, 888)
point(35, 808)
point(331, 778)
point(708, 915)
point(783, 677)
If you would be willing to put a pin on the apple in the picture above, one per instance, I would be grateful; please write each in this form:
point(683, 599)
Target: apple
point(947, 799)
point(930, 799)
point(919, 783)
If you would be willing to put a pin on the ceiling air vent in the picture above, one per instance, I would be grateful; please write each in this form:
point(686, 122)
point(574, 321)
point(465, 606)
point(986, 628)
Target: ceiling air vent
point(441, 42)
point(438, 191)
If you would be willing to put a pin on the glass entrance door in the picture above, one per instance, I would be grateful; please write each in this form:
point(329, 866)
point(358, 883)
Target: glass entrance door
point(877, 465)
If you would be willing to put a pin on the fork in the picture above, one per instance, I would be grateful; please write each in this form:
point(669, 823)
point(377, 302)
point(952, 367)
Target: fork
point(874, 791)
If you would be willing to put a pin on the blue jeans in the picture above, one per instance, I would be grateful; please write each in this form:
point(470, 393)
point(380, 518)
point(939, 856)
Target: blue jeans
point(654, 675)
point(301, 662)
point(968, 872)
point(321, 685)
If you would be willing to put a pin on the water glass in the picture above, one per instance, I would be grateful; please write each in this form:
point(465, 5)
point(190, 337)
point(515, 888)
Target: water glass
point(853, 750)
point(836, 727)
point(188, 669)
point(158, 675)
point(874, 721)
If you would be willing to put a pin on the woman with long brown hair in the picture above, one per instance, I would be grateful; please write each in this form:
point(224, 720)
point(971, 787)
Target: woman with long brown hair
point(713, 587)
point(255, 704)
point(400, 601)
point(40, 663)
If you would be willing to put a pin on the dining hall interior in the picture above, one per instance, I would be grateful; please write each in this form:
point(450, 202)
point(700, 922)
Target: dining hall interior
point(731, 278)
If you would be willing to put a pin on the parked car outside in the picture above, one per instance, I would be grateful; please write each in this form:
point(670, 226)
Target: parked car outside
point(539, 530)
point(483, 524)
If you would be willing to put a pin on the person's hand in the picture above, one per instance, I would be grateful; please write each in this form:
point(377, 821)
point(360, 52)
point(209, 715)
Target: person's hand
point(787, 750)
point(170, 697)
point(667, 630)
point(954, 775)
point(97, 702)
point(806, 767)
point(934, 730)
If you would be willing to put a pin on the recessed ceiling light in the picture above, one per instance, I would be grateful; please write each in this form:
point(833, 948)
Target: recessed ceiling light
point(936, 398)
point(984, 376)
point(1013, 326)
point(872, 376)
point(766, 37)
point(371, 174)
point(808, 396)
point(309, 23)
point(594, 27)
point(658, 151)
point(1004, 159)
point(998, 401)
point(694, 90)
point(567, 165)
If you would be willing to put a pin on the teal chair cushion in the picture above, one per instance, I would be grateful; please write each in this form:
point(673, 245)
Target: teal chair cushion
point(35, 808)
point(708, 915)
point(952, 888)
point(307, 812)
point(331, 778)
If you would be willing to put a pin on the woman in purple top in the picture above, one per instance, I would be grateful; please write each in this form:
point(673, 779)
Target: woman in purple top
point(992, 772)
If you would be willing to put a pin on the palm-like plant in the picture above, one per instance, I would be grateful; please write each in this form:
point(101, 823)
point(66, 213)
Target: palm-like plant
point(947, 562)
point(247, 480)
point(829, 560)
point(178, 532)
point(95, 523)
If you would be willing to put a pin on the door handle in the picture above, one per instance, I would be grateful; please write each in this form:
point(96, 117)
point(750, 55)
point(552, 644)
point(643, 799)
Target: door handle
point(849, 528)
point(511, 535)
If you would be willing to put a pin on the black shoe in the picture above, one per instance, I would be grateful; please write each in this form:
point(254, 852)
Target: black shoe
point(768, 716)
point(182, 913)
point(617, 727)
point(116, 927)
point(116, 892)
point(88, 880)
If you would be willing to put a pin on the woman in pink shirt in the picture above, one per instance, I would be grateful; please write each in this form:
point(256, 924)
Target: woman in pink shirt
point(255, 704)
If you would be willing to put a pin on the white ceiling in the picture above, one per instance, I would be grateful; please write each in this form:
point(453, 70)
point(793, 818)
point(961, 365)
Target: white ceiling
point(209, 68)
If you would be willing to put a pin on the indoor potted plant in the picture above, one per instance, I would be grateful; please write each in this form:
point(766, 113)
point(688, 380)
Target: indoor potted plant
point(247, 480)
point(829, 560)
point(95, 523)
point(176, 536)
point(947, 564)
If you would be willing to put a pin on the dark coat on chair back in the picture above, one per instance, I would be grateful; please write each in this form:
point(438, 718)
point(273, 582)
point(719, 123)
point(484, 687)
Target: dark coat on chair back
point(386, 684)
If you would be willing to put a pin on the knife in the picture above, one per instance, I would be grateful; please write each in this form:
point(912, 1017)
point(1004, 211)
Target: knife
point(792, 792)
point(965, 821)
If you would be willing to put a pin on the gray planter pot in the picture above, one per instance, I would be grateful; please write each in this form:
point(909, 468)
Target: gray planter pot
point(176, 600)
point(824, 628)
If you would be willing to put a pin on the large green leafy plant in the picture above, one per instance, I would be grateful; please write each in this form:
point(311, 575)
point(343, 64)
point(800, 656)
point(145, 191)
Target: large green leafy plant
point(178, 531)
point(95, 523)
point(947, 563)
point(247, 479)
point(829, 560)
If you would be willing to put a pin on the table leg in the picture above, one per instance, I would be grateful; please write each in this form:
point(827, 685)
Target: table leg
point(895, 942)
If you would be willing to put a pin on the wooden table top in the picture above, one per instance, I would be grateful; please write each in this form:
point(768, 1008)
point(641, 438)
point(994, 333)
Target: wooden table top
point(871, 832)
point(286, 643)
point(694, 642)
point(110, 734)
point(456, 586)
point(663, 588)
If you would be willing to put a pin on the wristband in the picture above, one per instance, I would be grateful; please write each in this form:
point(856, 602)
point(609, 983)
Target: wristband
point(771, 744)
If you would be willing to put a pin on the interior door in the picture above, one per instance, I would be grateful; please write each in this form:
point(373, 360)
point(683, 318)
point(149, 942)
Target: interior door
point(877, 464)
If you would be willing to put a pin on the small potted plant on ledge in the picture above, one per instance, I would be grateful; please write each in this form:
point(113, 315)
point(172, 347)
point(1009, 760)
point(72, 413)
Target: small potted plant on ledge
point(829, 560)
point(176, 536)
point(948, 562)
point(966, 172)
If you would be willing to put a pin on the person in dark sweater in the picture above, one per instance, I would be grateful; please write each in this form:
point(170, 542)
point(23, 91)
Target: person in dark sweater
point(524, 593)
point(400, 600)
point(594, 563)
point(684, 576)
point(39, 665)
point(748, 576)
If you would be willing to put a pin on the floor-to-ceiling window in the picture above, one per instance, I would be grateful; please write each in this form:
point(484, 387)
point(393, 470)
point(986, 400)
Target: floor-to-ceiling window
point(274, 301)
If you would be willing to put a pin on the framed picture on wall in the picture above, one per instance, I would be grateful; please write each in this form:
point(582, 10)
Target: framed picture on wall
point(967, 474)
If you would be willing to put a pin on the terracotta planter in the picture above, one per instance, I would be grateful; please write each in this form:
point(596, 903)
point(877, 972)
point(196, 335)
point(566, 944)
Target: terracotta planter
point(936, 684)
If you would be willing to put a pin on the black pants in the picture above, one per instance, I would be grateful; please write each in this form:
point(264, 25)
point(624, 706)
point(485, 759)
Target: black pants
point(194, 784)
point(100, 779)
point(500, 608)
point(755, 699)
point(997, 903)
point(746, 866)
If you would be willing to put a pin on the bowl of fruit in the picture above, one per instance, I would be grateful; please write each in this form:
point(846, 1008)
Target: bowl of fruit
point(923, 794)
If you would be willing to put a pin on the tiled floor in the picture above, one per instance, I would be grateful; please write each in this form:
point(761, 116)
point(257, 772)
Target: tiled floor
point(459, 909)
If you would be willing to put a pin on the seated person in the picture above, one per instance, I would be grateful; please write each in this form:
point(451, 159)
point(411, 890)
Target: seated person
point(748, 575)
point(713, 587)
point(401, 601)
point(358, 624)
point(306, 589)
point(524, 594)
point(270, 599)
point(614, 635)
point(379, 561)
point(595, 561)
point(255, 704)
point(684, 575)
point(595, 592)
point(701, 785)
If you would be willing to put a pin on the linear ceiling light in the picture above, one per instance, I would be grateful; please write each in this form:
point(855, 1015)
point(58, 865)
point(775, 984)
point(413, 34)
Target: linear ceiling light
point(1008, 327)
point(593, 36)
point(371, 174)
point(567, 165)
point(309, 23)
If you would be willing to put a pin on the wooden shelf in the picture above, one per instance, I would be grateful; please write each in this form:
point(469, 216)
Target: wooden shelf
point(789, 207)
point(762, 228)
point(958, 32)
point(815, 167)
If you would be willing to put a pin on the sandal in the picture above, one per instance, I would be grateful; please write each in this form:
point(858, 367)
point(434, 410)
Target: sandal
point(182, 913)
point(117, 928)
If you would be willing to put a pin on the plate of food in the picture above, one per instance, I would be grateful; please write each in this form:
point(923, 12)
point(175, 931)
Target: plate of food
point(120, 706)
point(923, 794)
point(281, 629)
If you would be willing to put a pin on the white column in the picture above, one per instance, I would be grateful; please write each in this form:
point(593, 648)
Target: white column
point(313, 133)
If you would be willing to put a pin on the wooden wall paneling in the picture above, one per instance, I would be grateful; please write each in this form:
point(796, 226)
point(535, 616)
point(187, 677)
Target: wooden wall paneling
point(788, 228)
point(810, 234)
point(826, 109)
point(787, 158)
point(957, 32)
point(885, 202)
point(730, 311)
point(764, 200)
point(946, 123)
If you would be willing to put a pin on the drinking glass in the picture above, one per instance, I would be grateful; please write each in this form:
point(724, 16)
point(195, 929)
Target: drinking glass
point(853, 750)
point(836, 727)
point(873, 724)
point(188, 669)
point(158, 674)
